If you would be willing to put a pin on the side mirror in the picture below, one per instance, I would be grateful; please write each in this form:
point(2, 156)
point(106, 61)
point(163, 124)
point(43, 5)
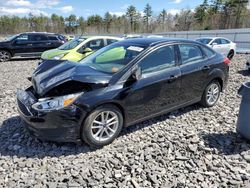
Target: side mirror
point(214, 43)
point(136, 73)
point(86, 50)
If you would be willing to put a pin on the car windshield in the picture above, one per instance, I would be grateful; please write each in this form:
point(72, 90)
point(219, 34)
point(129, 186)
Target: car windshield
point(112, 58)
point(10, 38)
point(71, 44)
point(204, 40)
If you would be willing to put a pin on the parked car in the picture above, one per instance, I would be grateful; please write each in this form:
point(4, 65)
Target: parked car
point(220, 45)
point(93, 99)
point(79, 48)
point(29, 44)
point(248, 63)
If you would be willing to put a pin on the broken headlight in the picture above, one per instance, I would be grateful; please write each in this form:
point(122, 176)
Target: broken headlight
point(56, 103)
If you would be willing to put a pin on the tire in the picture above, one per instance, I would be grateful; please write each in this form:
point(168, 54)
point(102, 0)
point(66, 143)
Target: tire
point(213, 86)
point(4, 56)
point(230, 54)
point(95, 123)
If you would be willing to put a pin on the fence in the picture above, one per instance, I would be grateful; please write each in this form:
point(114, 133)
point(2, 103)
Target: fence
point(240, 36)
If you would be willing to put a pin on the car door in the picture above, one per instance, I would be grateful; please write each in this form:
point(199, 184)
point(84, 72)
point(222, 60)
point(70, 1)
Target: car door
point(158, 89)
point(218, 46)
point(226, 46)
point(22, 45)
point(194, 71)
point(94, 45)
point(40, 43)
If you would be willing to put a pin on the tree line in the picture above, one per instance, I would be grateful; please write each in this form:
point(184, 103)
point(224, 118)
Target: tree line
point(213, 14)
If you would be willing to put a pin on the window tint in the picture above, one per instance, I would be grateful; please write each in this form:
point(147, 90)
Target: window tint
point(95, 44)
point(190, 53)
point(218, 41)
point(159, 59)
point(208, 52)
point(224, 41)
point(38, 38)
point(110, 41)
point(22, 38)
point(52, 38)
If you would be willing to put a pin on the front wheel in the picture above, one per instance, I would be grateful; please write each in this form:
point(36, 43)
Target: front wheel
point(4, 56)
point(211, 94)
point(102, 126)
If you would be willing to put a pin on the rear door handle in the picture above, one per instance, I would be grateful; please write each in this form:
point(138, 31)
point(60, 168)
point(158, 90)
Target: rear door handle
point(205, 68)
point(172, 78)
point(48, 43)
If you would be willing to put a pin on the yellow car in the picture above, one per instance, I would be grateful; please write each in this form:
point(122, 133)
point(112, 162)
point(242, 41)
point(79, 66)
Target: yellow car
point(79, 48)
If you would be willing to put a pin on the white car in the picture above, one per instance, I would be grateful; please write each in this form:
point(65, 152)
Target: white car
point(220, 45)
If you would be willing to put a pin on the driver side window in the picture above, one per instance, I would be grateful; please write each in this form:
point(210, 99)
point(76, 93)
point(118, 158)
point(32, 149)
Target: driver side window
point(161, 58)
point(95, 44)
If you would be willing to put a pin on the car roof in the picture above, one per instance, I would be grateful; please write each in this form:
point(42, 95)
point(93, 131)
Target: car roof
point(43, 33)
point(155, 41)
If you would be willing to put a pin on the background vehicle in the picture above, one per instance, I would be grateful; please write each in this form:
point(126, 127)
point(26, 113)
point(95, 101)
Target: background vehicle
point(29, 44)
point(248, 63)
point(79, 48)
point(220, 45)
point(95, 98)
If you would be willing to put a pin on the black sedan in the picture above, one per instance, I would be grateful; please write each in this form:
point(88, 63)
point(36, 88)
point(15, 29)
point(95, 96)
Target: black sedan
point(120, 85)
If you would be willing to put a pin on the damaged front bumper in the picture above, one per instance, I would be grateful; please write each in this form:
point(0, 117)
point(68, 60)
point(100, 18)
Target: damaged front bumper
point(59, 125)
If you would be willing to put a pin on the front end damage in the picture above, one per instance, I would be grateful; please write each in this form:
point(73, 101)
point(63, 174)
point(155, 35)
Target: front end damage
point(49, 107)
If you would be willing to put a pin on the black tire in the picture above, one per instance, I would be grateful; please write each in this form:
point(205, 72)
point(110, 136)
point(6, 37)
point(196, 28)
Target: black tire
point(4, 55)
point(87, 133)
point(205, 100)
point(230, 54)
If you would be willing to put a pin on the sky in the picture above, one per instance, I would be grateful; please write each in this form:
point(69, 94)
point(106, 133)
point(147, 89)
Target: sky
point(86, 8)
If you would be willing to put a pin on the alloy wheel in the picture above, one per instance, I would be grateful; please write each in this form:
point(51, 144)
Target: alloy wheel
point(104, 126)
point(4, 56)
point(213, 94)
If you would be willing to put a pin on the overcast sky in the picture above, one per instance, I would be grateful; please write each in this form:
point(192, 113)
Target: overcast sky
point(88, 7)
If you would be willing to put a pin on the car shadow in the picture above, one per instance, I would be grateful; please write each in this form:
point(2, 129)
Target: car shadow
point(228, 143)
point(15, 140)
point(25, 59)
point(244, 72)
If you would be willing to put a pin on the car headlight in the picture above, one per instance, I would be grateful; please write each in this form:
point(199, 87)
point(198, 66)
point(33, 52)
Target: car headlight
point(56, 103)
point(58, 57)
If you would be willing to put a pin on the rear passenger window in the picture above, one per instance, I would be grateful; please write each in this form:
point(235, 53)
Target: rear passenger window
point(52, 37)
point(160, 59)
point(190, 53)
point(209, 53)
point(37, 38)
point(110, 41)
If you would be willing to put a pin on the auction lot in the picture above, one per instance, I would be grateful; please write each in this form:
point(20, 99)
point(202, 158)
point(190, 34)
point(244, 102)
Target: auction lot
point(191, 147)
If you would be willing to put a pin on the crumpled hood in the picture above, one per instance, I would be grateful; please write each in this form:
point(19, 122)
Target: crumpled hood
point(52, 73)
point(49, 54)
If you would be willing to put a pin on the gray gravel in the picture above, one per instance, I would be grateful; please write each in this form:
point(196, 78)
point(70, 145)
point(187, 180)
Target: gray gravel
point(191, 147)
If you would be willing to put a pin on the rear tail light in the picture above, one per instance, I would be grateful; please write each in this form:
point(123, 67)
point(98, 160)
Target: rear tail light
point(226, 61)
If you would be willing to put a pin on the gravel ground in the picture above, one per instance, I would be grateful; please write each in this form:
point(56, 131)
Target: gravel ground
point(191, 147)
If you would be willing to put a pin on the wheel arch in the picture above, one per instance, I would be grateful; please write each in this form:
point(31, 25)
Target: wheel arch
point(116, 104)
point(5, 49)
point(218, 75)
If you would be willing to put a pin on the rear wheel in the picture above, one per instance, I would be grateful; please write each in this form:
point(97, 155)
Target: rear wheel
point(102, 126)
point(211, 94)
point(4, 56)
point(230, 54)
